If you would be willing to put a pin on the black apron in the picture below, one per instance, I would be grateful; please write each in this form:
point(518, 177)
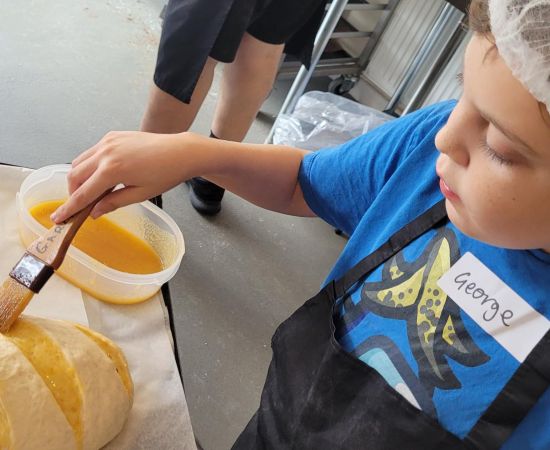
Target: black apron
point(317, 396)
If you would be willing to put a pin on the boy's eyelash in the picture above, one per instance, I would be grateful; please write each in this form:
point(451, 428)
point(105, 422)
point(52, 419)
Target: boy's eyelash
point(494, 155)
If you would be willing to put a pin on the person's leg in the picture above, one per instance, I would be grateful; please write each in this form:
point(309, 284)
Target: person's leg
point(245, 84)
point(167, 114)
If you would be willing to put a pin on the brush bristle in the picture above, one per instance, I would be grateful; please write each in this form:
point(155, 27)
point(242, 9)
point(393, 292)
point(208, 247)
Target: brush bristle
point(14, 297)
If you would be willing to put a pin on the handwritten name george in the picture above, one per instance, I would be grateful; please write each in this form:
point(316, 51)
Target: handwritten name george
point(477, 293)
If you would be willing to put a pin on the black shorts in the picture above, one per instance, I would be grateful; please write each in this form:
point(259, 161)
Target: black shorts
point(196, 29)
point(270, 21)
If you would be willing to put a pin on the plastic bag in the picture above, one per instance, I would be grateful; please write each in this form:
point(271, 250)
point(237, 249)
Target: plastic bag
point(322, 119)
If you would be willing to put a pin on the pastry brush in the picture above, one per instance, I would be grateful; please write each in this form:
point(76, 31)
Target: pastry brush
point(34, 269)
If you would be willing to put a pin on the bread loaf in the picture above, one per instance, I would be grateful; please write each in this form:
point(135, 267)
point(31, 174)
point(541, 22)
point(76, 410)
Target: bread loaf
point(62, 386)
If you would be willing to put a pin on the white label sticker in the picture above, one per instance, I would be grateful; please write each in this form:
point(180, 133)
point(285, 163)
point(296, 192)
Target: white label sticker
point(494, 306)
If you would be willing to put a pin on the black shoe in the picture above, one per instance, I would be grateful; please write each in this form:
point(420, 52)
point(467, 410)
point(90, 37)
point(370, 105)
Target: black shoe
point(205, 197)
point(157, 201)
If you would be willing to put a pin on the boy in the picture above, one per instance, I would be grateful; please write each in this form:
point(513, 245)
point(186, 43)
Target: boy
point(435, 332)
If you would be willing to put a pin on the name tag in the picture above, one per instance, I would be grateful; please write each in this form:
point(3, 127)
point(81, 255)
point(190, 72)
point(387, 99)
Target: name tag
point(494, 306)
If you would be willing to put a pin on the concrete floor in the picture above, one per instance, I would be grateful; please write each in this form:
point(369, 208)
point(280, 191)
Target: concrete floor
point(73, 70)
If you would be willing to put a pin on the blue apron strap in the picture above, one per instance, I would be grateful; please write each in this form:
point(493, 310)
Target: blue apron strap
point(395, 243)
point(512, 404)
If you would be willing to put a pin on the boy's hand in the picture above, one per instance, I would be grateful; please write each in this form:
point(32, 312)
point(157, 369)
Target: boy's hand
point(146, 164)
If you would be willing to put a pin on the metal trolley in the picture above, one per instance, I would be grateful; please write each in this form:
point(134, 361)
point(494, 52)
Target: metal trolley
point(439, 39)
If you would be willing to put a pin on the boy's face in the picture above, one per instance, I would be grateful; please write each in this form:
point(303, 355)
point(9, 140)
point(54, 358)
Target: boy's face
point(495, 156)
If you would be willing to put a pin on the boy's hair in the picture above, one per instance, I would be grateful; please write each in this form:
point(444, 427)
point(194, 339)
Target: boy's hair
point(478, 17)
point(479, 22)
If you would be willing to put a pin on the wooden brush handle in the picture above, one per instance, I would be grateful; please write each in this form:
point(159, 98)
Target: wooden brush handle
point(52, 246)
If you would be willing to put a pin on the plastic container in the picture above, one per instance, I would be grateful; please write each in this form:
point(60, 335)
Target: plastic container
point(144, 220)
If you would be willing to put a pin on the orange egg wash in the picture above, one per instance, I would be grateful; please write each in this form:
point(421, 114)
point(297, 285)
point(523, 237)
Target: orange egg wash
point(106, 242)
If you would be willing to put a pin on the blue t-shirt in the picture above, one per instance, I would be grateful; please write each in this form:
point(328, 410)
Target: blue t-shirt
point(370, 187)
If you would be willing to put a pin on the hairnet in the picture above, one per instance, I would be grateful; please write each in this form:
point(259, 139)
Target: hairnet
point(522, 34)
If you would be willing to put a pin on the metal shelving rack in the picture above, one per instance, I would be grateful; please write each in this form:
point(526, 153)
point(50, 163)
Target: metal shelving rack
point(451, 16)
point(349, 68)
point(340, 28)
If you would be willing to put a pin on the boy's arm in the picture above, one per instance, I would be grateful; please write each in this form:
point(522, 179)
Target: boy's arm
point(266, 175)
point(148, 164)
